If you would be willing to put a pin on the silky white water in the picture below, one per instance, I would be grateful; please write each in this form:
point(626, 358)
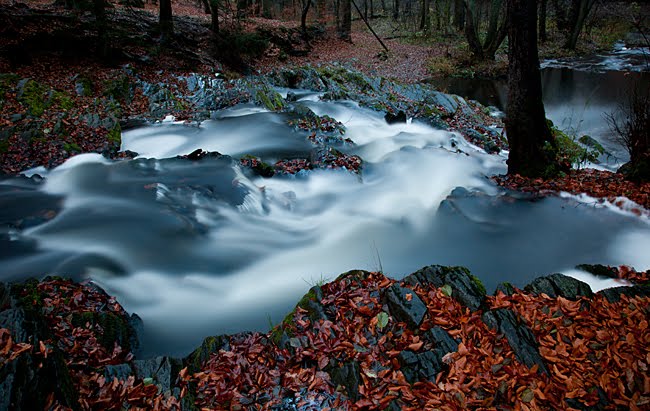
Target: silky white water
point(200, 248)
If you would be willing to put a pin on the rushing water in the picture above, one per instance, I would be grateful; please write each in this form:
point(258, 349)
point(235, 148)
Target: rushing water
point(201, 247)
point(579, 94)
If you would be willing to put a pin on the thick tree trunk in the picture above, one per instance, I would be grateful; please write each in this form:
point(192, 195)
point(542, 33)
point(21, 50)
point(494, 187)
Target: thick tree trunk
point(165, 18)
point(345, 10)
point(532, 146)
point(395, 9)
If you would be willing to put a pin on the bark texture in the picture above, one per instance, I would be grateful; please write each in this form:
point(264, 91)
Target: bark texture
point(533, 149)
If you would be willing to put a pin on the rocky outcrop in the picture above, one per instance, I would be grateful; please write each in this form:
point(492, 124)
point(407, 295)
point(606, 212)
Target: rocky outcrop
point(405, 305)
point(465, 288)
point(559, 285)
point(519, 336)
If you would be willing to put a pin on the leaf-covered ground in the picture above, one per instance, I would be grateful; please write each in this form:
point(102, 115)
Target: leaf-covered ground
point(597, 352)
point(602, 185)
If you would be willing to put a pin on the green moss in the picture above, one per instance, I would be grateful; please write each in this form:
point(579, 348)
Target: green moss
point(34, 97)
point(86, 86)
point(269, 98)
point(72, 148)
point(115, 135)
point(478, 283)
point(62, 100)
point(210, 345)
point(118, 89)
point(577, 153)
point(115, 328)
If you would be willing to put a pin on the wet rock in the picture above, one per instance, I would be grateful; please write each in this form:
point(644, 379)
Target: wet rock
point(405, 305)
point(426, 365)
point(116, 329)
point(199, 154)
point(466, 288)
point(423, 366)
point(347, 376)
point(599, 270)
point(391, 118)
point(119, 371)
point(27, 381)
point(505, 288)
point(161, 369)
point(210, 345)
point(441, 340)
point(519, 336)
point(559, 285)
point(613, 295)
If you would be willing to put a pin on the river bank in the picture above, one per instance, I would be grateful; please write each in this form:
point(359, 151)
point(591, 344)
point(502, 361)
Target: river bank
point(363, 341)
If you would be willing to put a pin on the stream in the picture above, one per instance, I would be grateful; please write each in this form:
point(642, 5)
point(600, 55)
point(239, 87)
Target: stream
point(578, 93)
point(201, 248)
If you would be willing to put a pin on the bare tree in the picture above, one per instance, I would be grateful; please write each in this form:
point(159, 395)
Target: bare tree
point(484, 48)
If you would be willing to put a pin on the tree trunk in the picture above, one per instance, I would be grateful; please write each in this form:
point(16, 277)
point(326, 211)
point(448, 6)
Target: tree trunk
point(424, 16)
point(303, 17)
point(395, 9)
point(165, 19)
point(459, 14)
point(542, 21)
point(582, 11)
point(214, 14)
point(532, 146)
point(345, 31)
point(99, 8)
point(486, 49)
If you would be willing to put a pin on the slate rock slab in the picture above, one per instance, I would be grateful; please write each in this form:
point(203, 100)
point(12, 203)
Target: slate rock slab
point(405, 305)
point(466, 289)
point(519, 336)
point(560, 285)
point(613, 295)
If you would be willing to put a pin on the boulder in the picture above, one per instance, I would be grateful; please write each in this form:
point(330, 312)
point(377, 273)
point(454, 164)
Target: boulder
point(519, 336)
point(27, 381)
point(347, 376)
point(466, 288)
point(559, 285)
point(210, 345)
point(405, 305)
point(428, 364)
point(423, 366)
point(613, 295)
point(161, 369)
point(391, 118)
point(441, 340)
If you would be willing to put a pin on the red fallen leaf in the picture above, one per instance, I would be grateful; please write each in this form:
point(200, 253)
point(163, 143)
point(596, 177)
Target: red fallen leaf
point(43, 348)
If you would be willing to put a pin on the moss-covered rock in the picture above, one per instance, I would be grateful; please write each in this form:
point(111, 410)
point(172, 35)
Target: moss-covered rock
point(210, 345)
point(115, 328)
